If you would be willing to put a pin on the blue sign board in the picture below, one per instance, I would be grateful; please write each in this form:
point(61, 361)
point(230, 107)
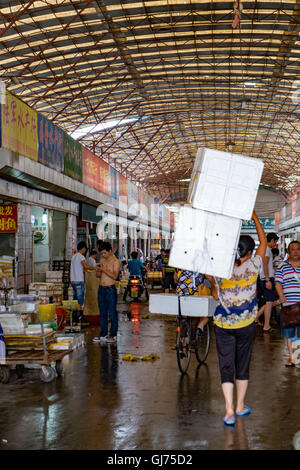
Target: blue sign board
point(50, 144)
point(114, 183)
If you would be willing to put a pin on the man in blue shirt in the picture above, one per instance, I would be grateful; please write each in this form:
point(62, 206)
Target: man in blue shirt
point(135, 266)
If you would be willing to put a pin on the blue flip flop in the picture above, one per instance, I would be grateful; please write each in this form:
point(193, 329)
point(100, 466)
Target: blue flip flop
point(229, 422)
point(244, 413)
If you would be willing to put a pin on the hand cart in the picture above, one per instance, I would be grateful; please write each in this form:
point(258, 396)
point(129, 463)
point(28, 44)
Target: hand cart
point(21, 358)
point(41, 356)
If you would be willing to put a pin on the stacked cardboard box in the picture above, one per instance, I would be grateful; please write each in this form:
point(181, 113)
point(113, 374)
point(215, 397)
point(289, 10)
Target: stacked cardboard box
point(44, 290)
point(70, 293)
point(6, 265)
point(56, 278)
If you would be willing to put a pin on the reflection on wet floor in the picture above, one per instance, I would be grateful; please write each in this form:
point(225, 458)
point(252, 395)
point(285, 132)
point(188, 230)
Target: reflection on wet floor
point(105, 402)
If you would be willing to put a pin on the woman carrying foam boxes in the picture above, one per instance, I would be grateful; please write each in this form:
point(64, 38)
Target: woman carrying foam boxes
point(234, 320)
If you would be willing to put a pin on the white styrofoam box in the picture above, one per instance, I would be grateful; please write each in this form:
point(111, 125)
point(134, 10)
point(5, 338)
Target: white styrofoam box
point(205, 242)
point(12, 324)
point(191, 305)
point(225, 183)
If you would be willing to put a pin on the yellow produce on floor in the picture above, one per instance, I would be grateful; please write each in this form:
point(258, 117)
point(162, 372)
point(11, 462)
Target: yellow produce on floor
point(131, 358)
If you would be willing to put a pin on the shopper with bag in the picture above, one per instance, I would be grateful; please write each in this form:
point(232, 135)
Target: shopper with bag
point(234, 320)
point(287, 281)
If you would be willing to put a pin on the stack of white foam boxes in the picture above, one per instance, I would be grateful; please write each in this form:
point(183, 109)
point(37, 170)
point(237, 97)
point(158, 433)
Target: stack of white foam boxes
point(56, 278)
point(222, 193)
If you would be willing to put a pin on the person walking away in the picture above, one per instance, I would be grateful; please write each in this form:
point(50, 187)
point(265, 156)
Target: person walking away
point(135, 266)
point(188, 283)
point(108, 272)
point(234, 320)
point(168, 273)
point(287, 282)
point(78, 267)
point(268, 283)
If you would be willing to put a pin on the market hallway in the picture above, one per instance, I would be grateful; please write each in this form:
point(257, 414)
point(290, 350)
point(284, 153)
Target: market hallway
point(105, 402)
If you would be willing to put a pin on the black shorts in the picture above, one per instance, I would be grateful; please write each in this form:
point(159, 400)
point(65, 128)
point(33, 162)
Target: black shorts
point(234, 347)
point(169, 280)
point(269, 294)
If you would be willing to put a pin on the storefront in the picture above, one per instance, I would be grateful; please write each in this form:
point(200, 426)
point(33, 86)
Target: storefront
point(41, 243)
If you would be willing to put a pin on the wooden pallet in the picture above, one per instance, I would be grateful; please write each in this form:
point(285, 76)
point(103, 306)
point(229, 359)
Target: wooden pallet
point(34, 357)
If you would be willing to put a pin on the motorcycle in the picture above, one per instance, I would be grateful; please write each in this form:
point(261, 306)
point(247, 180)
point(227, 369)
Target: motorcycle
point(135, 288)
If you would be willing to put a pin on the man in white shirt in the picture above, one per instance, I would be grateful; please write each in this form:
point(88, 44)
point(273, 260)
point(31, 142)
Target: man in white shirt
point(78, 267)
point(268, 282)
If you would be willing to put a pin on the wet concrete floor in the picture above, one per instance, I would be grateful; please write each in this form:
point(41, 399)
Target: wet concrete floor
point(104, 402)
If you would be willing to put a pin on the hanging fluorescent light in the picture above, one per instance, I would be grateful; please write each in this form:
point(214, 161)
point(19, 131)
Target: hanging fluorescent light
point(250, 84)
point(184, 180)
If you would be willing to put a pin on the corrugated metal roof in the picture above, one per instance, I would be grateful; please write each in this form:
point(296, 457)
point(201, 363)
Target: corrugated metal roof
point(190, 73)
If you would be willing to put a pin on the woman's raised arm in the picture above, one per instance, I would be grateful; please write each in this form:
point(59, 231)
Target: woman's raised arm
point(261, 250)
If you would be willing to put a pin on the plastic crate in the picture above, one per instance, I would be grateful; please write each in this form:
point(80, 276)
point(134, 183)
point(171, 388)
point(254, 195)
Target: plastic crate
point(225, 183)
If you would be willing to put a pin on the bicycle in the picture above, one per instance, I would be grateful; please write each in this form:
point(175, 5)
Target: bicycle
point(189, 340)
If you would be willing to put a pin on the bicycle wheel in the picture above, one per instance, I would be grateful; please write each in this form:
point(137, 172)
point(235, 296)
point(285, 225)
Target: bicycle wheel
point(202, 343)
point(183, 345)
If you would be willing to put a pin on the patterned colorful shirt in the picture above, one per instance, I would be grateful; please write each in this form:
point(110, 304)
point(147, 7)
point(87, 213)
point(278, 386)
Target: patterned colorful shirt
point(188, 282)
point(289, 278)
point(238, 295)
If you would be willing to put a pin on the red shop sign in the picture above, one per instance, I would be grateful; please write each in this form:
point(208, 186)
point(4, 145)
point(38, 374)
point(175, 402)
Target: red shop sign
point(8, 218)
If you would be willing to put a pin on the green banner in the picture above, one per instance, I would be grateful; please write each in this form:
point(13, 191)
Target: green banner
point(72, 158)
point(268, 224)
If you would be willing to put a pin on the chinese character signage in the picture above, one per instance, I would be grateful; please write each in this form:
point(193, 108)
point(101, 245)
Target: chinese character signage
point(95, 172)
point(19, 127)
point(8, 218)
point(90, 169)
point(123, 189)
point(50, 144)
point(268, 224)
point(104, 177)
point(114, 183)
point(72, 157)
